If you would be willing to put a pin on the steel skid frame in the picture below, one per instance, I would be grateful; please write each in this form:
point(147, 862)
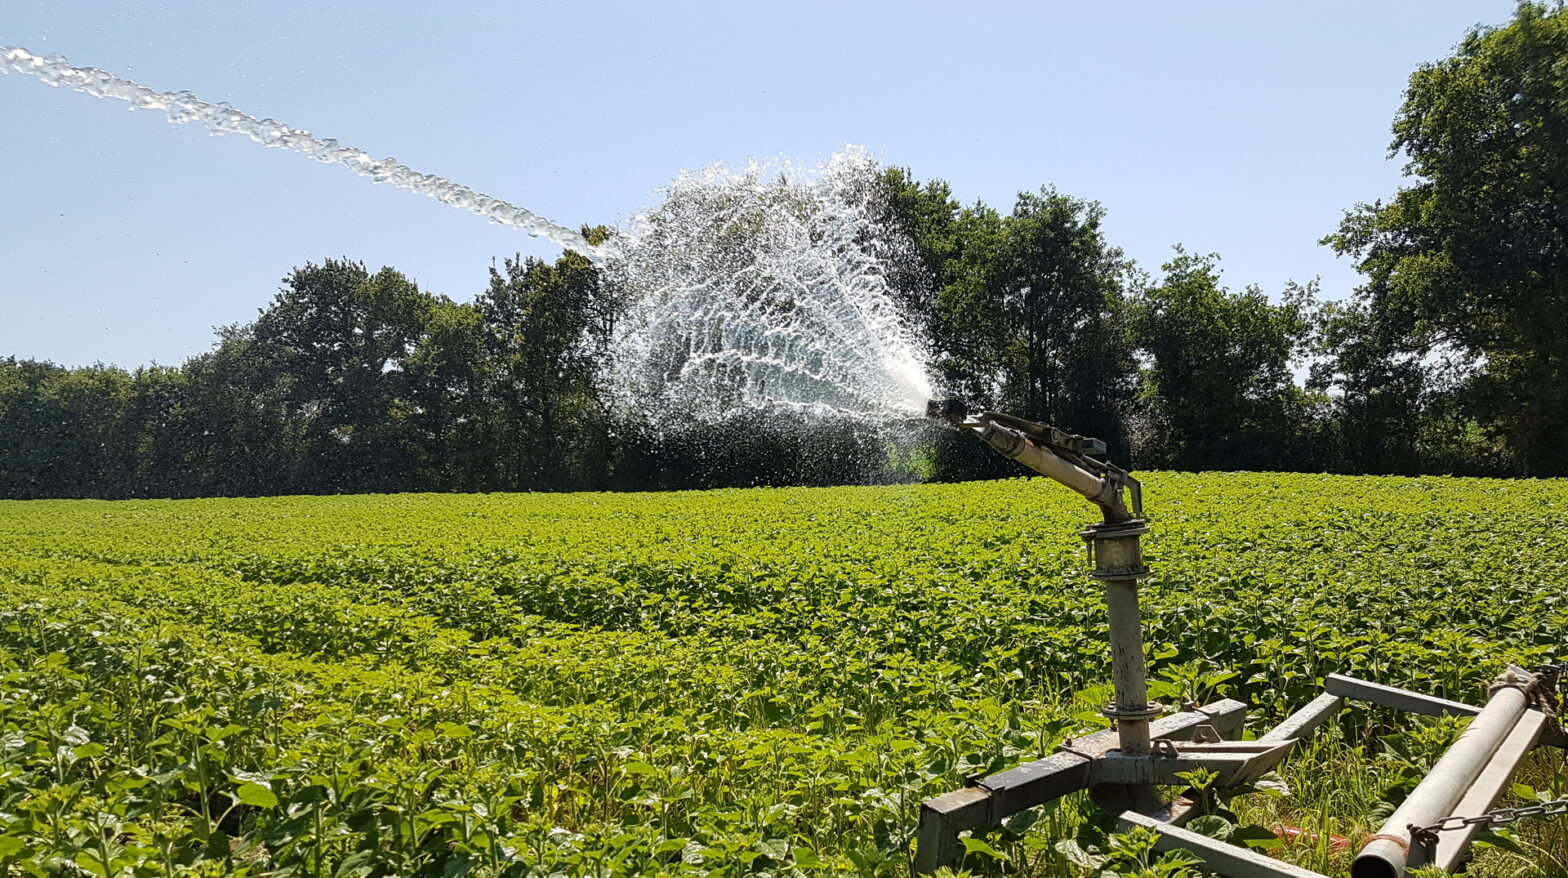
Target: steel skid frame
point(1467, 781)
point(1123, 768)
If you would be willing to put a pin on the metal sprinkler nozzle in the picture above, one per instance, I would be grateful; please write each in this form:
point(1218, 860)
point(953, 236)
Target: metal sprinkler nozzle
point(1067, 458)
point(1077, 462)
point(953, 411)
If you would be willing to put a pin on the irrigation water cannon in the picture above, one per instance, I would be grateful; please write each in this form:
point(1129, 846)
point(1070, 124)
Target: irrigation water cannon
point(1124, 768)
point(1073, 460)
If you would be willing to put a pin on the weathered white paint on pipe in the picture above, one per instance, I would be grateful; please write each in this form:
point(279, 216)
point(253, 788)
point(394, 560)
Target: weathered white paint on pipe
point(1014, 445)
point(1128, 672)
point(1452, 846)
point(1435, 797)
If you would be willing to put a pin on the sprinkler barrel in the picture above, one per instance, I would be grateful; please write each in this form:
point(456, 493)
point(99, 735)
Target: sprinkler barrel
point(1067, 458)
point(1076, 462)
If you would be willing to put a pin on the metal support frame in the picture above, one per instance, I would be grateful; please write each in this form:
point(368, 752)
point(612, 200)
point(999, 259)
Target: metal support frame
point(1123, 767)
point(1474, 772)
point(1301, 724)
point(1399, 699)
point(1236, 763)
point(990, 800)
point(1219, 856)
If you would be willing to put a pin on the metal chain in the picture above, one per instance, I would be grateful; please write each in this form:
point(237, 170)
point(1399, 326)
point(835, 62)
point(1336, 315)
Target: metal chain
point(1497, 817)
point(1427, 835)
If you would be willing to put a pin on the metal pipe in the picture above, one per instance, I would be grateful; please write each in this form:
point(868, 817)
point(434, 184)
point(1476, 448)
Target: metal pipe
point(1387, 854)
point(1128, 672)
point(1398, 699)
point(1013, 444)
point(1118, 562)
point(1301, 724)
point(1220, 857)
point(1452, 846)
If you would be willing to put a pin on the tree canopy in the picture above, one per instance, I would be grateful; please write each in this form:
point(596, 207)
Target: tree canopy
point(1468, 264)
point(1451, 357)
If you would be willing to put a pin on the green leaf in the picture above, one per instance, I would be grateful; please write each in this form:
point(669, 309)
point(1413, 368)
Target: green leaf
point(1212, 826)
point(1092, 718)
point(356, 865)
point(1074, 853)
point(1255, 837)
point(256, 795)
point(1271, 784)
point(979, 846)
point(774, 848)
point(1163, 689)
point(218, 734)
point(1019, 823)
point(89, 863)
point(1499, 838)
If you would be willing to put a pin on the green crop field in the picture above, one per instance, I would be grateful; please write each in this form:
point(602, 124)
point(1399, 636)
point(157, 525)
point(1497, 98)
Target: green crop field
point(728, 682)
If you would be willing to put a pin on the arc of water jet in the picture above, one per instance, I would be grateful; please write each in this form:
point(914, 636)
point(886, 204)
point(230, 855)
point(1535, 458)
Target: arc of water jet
point(765, 295)
point(184, 107)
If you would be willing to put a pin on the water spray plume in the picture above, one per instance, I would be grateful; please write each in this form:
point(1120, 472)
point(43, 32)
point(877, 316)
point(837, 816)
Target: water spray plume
point(768, 287)
point(184, 107)
point(760, 289)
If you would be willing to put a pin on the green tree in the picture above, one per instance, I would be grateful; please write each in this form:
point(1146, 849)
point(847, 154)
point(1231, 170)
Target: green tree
point(927, 215)
point(546, 329)
point(243, 436)
point(25, 457)
point(1026, 312)
point(62, 431)
point(334, 341)
point(1034, 322)
point(1394, 411)
point(157, 433)
point(443, 405)
point(1469, 263)
point(1061, 287)
point(1218, 391)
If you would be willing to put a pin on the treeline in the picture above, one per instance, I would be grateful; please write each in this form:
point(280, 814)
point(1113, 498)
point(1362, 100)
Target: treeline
point(1451, 358)
point(352, 381)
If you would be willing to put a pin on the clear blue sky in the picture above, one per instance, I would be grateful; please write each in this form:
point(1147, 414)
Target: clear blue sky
point(1240, 128)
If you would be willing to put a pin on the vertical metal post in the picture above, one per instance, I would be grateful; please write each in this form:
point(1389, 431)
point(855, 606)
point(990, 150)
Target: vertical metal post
point(1118, 562)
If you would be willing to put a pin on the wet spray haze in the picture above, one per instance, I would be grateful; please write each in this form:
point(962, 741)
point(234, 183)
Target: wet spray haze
point(767, 286)
point(749, 291)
